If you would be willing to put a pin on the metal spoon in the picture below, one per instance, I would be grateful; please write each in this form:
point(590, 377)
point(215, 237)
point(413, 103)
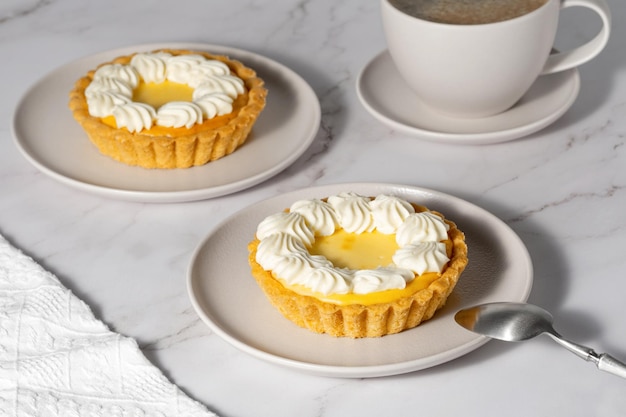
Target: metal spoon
point(514, 322)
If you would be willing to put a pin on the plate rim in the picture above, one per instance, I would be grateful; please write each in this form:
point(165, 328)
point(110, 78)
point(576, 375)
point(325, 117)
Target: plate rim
point(175, 196)
point(485, 138)
point(365, 371)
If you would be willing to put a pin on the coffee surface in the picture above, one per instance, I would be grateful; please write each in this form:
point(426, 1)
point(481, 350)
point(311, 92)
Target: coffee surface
point(466, 12)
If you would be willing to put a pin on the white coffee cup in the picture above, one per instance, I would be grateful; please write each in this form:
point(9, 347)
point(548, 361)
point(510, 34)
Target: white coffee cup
point(484, 69)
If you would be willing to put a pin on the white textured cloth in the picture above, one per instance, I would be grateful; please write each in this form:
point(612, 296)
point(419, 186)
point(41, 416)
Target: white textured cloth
point(57, 359)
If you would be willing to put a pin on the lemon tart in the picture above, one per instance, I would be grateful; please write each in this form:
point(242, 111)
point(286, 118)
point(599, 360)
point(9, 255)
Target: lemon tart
point(168, 108)
point(357, 266)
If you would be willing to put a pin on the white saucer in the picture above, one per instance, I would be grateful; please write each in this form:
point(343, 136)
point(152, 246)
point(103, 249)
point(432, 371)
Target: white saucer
point(229, 301)
point(387, 97)
point(47, 135)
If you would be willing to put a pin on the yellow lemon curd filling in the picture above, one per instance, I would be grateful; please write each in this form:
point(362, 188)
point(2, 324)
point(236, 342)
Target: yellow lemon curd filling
point(156, 95)
point(367, 250)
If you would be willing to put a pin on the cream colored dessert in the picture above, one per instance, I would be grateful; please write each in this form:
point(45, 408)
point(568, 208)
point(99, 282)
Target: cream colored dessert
point(357, 266)
point(169, 108)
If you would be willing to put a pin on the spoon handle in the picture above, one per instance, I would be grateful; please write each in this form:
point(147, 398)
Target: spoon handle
point(609, 364)
point(603, 361)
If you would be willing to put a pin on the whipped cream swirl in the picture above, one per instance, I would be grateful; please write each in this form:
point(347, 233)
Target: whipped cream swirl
point(110, 93)
point(286, 236)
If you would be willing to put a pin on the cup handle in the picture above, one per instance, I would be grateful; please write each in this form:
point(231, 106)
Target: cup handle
point(561, 61)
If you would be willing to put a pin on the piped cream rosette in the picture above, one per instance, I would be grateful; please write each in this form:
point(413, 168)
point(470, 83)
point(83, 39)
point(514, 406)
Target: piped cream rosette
point(110, 93)
point(226, 99)
point(314, 293)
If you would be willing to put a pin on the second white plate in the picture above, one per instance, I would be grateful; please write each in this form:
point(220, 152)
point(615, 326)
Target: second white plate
point(49, 138)
point(228, 300)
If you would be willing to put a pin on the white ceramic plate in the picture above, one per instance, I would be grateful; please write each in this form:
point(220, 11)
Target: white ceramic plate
point(229, 301)
point(388, 98)
point(47, 135)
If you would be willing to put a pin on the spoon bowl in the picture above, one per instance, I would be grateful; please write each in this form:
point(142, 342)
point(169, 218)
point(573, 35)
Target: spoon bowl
point(515, 322)
point(511, 322)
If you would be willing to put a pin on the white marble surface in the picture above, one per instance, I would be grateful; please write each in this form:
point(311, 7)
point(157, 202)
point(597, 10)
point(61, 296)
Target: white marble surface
point(563, 190)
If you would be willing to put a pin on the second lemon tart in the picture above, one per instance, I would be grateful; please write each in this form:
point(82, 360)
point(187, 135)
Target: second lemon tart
point(168, 108)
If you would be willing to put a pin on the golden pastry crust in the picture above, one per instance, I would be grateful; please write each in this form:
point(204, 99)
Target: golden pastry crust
point(161, 147)
point(357, 320)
